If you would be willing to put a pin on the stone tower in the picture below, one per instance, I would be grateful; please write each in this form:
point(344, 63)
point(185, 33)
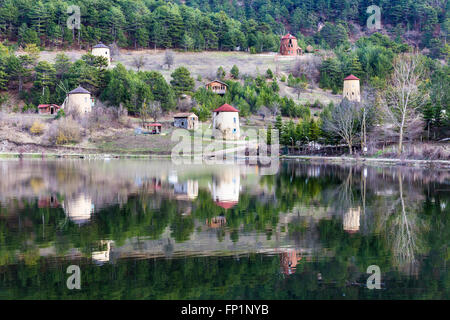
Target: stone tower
point(289, 46)
point(78, 99)
point(351, 88)
point(226, 123)
point(102, 51)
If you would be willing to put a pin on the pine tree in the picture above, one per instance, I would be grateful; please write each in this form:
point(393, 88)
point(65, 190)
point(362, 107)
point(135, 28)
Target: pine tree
point(355, 67)
point(234, 72)
point(182, 82)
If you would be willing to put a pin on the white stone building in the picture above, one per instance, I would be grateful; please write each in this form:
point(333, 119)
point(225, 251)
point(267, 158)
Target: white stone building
point(101, 50)
point(226, 123)
point(351, 88)
point(80, 100)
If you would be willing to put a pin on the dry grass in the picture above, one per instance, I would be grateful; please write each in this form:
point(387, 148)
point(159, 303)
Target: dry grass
point(205, 64)
point(417, 151)
point(37, 128)
point(63, 131)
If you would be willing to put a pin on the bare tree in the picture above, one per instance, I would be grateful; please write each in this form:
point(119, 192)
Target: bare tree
point(366, 114)
point(139, 62)
point(114, 49)
point(309, 68)
point(264, 112)
point(275, 108)
point(155, 110)
point(144, 112)
point(150, 109)
point(299, 87)
point(403, 96)
point(344, 122)
point(169, 58)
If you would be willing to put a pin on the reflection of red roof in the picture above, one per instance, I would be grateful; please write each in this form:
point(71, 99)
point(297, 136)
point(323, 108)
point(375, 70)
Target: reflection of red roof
point(351, 77)
point(226, 204)
point(226, 108)
point(288, 36)
point(152, 124)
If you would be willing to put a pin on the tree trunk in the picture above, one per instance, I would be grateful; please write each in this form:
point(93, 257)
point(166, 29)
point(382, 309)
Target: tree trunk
point(400, 141)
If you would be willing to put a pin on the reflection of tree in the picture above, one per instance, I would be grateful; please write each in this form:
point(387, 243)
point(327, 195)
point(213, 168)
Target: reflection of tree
point(404, 232)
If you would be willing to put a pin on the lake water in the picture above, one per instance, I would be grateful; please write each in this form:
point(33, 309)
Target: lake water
point(141, 229)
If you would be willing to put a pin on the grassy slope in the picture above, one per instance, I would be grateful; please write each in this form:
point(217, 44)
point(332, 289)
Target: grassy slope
point(205, 64)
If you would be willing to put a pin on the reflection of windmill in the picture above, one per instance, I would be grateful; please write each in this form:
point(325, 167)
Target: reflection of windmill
point(345, 202)
point(289, 261)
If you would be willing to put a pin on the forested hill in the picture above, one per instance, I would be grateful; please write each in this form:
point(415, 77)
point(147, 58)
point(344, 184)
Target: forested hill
point(217, 24)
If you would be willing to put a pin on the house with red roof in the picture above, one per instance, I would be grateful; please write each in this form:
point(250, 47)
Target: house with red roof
point(152, 127)
point(48, 108)
point(226, 123)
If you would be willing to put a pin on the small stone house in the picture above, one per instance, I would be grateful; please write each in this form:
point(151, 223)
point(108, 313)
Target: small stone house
point(226, 123)
point(188, 120)
point(217, 86)
point(101, 50)
point(48, 108)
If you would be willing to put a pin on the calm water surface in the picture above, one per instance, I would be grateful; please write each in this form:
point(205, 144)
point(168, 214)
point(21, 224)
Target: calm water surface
point(143, 229)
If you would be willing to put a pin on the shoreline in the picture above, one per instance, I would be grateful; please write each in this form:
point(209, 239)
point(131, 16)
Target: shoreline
point(312, 159)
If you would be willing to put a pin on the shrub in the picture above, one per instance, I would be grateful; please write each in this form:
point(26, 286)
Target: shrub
point(61, 114)
point(29, 108)
point(63, 131)
point(37, 128)
point(235, 72)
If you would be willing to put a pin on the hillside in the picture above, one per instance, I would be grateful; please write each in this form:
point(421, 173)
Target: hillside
point(220, 25)
point(205, 64)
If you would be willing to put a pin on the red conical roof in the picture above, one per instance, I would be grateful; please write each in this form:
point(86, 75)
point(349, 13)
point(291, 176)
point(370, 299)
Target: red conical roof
point(226, 108)
point(226, 204)
point(288, 36)
point(351, 77)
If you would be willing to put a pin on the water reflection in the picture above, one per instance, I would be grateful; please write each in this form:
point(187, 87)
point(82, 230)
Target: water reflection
point(226, 185)
point(349, 217)
point(79, 209)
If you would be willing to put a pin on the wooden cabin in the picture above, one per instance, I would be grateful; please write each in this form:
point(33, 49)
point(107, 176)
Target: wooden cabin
point(48, 108)
point(217, 86)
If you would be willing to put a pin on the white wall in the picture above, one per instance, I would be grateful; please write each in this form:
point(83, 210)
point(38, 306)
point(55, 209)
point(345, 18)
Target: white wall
point(226, 125)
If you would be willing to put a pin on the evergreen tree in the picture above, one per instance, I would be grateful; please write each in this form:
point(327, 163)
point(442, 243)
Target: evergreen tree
point(235, 72)
point(182, 82)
